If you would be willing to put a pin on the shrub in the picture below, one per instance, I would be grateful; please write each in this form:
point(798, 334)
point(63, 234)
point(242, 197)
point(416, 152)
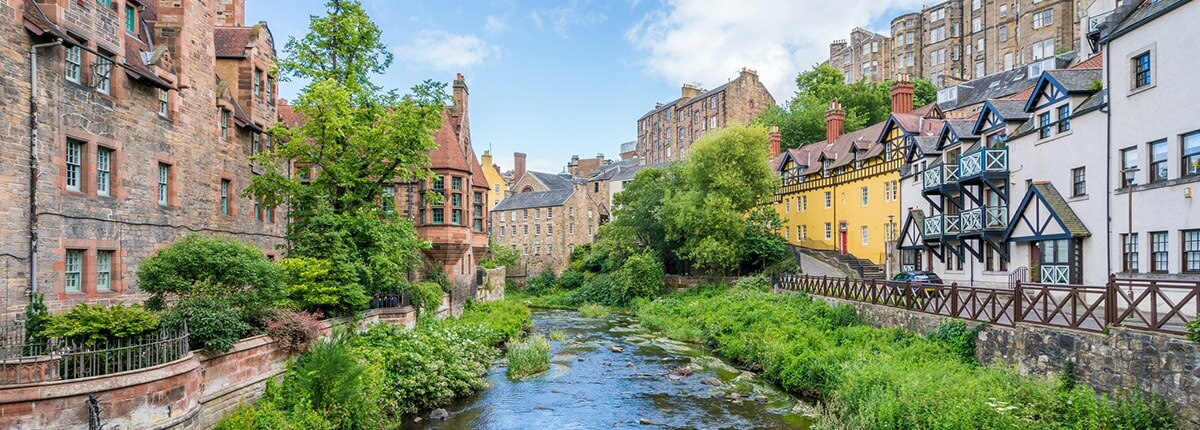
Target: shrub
point(593, 311)
point(558, 335)
point(214, 321)
point(543, 283)
point(94, 323)
point(313, 285)
point(36, 316)
point(571, 280)
point(528, 358)
point(294, 331)
point(437, 276)
point(332, 378)
point(642, 276)
point(958, 337)
point(601, 289)
point(427, 297)
point(500, 256)
point(1193, 330)
point(1132, 410)
point(509, 319)
point(234, 268)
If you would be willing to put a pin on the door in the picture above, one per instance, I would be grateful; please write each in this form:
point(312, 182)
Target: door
point(842, 235)
point(1035, 261)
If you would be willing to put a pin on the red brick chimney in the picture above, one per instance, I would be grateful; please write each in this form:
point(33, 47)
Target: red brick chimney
point(835, 121)
point(518, 166)
point(774, 138)
point(902, 95)
point(460, 95)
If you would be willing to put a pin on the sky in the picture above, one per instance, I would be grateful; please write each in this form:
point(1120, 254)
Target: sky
point(556, 79)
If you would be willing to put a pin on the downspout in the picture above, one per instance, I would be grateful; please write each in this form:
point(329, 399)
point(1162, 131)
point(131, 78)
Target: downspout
point(1109, 160)
point(33, 162)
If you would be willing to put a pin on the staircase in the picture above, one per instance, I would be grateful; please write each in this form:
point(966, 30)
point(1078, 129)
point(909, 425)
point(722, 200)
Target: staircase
point(865, 269)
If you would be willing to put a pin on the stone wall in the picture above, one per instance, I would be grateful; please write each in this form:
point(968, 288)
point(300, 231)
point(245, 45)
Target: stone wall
point(1123, 359)
point(493, 285)
point(194, 392)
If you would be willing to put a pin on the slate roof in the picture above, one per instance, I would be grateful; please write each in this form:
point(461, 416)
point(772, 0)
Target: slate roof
point(553, 181)
point(999, 85)
point(1124, 21)
point(609, 171)
point(231, 42)
point(962, 128)
point(669, 104)
point(535, 199)
point(1055, 201)
point(1077, 80)
point(1010, 109)
point(1094, 102)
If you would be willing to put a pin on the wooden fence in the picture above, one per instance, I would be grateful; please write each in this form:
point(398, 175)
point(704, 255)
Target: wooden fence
point(1154, 305)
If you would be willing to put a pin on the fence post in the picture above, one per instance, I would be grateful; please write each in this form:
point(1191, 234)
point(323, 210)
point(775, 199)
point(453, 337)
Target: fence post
point(954, 299)
point(1110, 301)
point(908, 293)
point(1018, 297)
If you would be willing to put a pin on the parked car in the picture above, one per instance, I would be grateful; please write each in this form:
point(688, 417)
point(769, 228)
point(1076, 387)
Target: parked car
point(918, 277)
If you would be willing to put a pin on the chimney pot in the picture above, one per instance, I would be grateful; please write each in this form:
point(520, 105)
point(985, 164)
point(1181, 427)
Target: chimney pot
point(835, 121)
point(775, 139)
point(902, 95)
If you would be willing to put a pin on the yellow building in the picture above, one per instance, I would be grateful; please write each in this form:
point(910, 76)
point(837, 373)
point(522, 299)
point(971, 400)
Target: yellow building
point(843, 194)
point(496, 185)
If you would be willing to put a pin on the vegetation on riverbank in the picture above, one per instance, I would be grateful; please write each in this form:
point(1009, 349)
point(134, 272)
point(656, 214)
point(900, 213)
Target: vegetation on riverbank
point(883, 378)
point(529, 357)
point(366, 380)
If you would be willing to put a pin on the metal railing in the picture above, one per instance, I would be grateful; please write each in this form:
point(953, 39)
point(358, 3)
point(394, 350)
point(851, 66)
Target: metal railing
point(40, 360)
point(983, 160)
point(389, 300)
point(940, 175)
point(1165, 306)
point(990, 218)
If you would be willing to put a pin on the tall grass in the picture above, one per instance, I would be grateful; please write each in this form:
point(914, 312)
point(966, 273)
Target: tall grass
point(529, 357)
point(594, 311)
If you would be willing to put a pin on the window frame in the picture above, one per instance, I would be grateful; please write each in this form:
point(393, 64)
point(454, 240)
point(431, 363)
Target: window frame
point(104, 258)
point(73, 269)
point(1159, 170)
point(1129, 252)
point(1190, 161)
point(1064, 117)
point(1190, 258)
point(104, 171)
point(224, 196)
point(75, 66)
point(1079, 181)
point(1142, 70)
point(73, 169)
point(164, 184)
point(104, 66)
point(1044, 125)
point(130, 18)
point(1128, 177)
point(1160, 254)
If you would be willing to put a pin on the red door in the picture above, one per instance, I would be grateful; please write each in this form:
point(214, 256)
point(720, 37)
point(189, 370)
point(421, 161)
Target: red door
point(843, 241)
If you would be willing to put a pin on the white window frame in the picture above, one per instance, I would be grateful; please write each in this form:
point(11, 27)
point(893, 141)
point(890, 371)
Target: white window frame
point(866, 235)
point(164, 103)
point(74, 66)
point(104, 67)
point(103, 170)
point(73, 271)
point(104, 270)
point(164, 176)
point(74, 161)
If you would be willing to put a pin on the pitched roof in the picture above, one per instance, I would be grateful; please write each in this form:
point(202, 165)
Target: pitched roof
point(231, 42)
point(1077, 80)
point(552, 181)
point(288, 116)
point(1060, 209)
point(449, 153)
point(999, 85)
point(1124, 21)
point(1093, 62)
point(535, 199)
point(1009, 109)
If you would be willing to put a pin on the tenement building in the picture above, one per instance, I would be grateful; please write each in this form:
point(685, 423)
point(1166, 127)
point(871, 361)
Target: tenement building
point(959, 40)
point(135, 127)
point(497, 185)
point(547, 215)
point(668, 131)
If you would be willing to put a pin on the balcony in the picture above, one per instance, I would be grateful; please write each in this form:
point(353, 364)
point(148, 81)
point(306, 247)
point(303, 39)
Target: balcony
point(984, 220)
point(938, 226)
point(939, 178)
point(984, 163)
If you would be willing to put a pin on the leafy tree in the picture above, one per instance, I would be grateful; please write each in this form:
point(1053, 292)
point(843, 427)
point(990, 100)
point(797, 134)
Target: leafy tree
point(803, 120)
point(228, 268)
point(500, 256)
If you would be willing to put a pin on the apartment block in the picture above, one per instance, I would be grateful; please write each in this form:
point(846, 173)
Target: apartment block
point(668, 131)
point(140, 130)
point(864, 56)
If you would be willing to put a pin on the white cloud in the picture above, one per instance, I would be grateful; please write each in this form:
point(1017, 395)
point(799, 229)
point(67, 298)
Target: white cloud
point(494, 24)
point(708, 41)
point(442, 50)
point(562, 18)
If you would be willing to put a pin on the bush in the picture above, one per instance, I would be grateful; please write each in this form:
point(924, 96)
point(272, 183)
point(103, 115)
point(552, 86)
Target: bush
point(36, 316)
point(92, 324)
point(427, 297)
point(642, 276)
point(543, 283)
point(234, 268)
point(336, 383)
point(313, 285)
point(294, 331)
point(593, 311)
point(500, 256)
point(601, 289)
point(1131, 410)
point(509, 319)
point(528, 358)
point(214, 321)
point(959, 338)
point(571, 280)
point(1193, 330)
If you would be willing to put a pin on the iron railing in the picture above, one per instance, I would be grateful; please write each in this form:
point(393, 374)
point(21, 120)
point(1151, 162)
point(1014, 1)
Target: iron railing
point(25, 360)
point(1165, 306)
point(390, 300)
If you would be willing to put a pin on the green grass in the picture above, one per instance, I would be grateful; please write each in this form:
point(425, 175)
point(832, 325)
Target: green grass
point(872, 378)
point(529, 357)
point(558, 335)
point(594, 311)
point(556, 299)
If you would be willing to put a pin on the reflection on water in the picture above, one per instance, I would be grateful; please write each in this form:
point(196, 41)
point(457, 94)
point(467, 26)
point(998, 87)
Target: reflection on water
point(588, 386)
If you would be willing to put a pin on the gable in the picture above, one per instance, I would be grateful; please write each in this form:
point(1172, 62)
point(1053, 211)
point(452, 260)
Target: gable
point(911, 235)
point(989, 119)
point(1044, 215)
point(1046, 92)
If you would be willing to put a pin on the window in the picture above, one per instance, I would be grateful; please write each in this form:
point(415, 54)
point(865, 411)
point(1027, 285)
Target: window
point(456, 217)
point(976, 4)
point(937, 15)
point(1142, 74)
point(1191, 154)
point(1158, 252)
point(164, 103)
point(74, 164)
point(1191, 250)
point(549, 229)
point(74, 63)
point(224, 124)
point(1064, 118)
point(937, 34)
point(267, 88)
point(537, 213)
point(802, 205)
point(976, 24)
point(258, 210)
point(980, 69)
point(1129, 162)
point(828, 200)
point(503, 216)
point(570, 228)
point(1044, 125)
point(255, 143)
point(1043, 18)
point(257, 83)
point(1158, 161)
point(439, 183)
point(1003, 10)
point(456, 183)
point(104, 270)
point(1008, 61)
point(103, 170)
point(456, 200)
point(864, 196)
point(1129, 255)
point(388, 199)
point(828, 231)
point(164, 173)
point(106, 3)
point(73, 271)
point(1003, 34)
point(803, 232)
point(439, 216)
point(712, 122)
point(712, 102)
point(130, 18)
point(1078, 182)
point(524, 215)
point(1043, 49)
point(104, 73)
point(865, 235)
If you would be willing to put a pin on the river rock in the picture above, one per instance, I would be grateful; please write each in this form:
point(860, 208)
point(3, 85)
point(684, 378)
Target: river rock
point(439, 414)
point(579, 359)
point(712, 381)
point(417, 419)
point(616, 349)
point(761, 399)
point(733, 396)
point(674, 377)
point(607, 363)
point(645, 421)
point(629, 365)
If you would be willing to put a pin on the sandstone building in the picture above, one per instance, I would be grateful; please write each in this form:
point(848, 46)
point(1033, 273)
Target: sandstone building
point(666, 132)
point(139, 131)
point(497, 185)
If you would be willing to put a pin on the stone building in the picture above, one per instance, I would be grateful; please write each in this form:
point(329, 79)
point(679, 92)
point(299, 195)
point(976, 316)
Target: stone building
point(667, 131)
point(547, 216)
point(140, 127)
point(960, 40)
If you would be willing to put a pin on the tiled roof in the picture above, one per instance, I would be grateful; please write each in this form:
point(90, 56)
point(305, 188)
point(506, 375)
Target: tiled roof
point(477, 178)
point(231, 42)
point(535, 199)
point(288, 116)
point(552, 181)
point(1093, 62)
point(449, 153)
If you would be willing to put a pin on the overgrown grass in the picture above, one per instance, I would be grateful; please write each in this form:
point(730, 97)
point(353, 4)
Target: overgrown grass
point(882, 378)
point(594, 311)
point(555, 299)
point(529, 357)
point(558, 335)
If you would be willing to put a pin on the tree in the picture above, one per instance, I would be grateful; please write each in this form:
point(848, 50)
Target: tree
point(803, 120)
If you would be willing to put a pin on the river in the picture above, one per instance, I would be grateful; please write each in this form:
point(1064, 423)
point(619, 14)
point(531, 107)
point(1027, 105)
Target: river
point(589, 386)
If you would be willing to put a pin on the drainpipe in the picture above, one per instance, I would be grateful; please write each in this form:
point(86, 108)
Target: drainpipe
point(1109, 159)
point(33, 162)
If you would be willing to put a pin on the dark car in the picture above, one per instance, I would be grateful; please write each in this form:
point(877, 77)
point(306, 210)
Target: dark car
point(918, 277)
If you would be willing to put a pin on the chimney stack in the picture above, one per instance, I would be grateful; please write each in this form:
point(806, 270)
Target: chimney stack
point(460, 95)
point(688, 91)
point(518, 166)
point(902, 95)
point(835, 121)
point(775, 138)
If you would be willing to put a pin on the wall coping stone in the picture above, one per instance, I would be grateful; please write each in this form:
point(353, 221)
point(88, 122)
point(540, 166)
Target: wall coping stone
point(41, 391)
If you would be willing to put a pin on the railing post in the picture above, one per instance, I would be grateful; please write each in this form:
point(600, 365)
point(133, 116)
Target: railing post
point(954, 299)
point(1110, 301)
point(908, 293)
point(1018, 298)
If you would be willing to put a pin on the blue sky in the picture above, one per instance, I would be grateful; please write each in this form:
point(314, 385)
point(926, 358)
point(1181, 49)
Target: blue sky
point(553, 79)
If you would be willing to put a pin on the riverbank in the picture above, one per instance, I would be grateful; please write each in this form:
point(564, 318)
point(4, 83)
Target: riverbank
point(372, 379)
point(882, 378)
